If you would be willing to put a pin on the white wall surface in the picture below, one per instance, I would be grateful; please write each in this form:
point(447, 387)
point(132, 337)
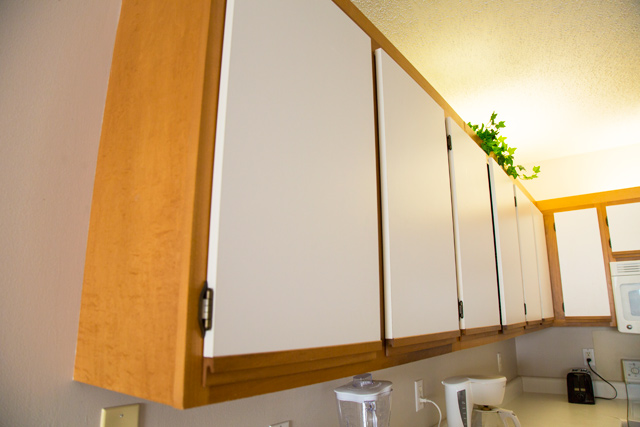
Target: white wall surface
point(54, 66)
point(604, 170)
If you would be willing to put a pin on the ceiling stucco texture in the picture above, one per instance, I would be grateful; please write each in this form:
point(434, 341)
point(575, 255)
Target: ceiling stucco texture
point(563, 74)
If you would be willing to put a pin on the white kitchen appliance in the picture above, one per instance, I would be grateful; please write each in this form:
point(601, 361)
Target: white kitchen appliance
point(364, 402)
point(485, 392)
point(625, 278)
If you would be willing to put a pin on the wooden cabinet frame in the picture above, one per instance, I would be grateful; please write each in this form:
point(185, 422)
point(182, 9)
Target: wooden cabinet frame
point(147, 247)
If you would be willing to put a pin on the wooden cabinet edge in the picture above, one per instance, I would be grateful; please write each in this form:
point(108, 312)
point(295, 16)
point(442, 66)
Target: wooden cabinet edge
point(548, 321)
point(281, 358)
point(513, 326)
point(237, 369)
point(154, 279)
point(269, 375)
point(626, 195)
point(481, 330)
point(585, 321)
point(625, 256)
point(554, 266)
point(421, 339)
point(607, 256)
point(421, 342)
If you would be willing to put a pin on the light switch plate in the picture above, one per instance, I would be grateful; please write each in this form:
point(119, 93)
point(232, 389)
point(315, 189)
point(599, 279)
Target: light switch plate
point(120, 416)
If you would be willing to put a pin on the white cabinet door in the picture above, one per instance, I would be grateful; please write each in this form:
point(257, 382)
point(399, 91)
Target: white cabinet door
point(546, 297)
point(419, 263)
point(507, 246)
point(582, 269)
point(293, 257)
point(624, 227)
point(473, 229)
point(528, 258)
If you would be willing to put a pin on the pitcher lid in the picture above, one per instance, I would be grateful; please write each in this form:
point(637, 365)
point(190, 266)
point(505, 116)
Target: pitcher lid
point(363, 388)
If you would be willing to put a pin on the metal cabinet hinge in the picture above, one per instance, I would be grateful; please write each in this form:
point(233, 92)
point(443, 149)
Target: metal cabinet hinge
point(515, 201)
point(525, 309)
point(606, 220)
point(563, 307)
point(461, 309)
point(205, 314)
point(449, 145)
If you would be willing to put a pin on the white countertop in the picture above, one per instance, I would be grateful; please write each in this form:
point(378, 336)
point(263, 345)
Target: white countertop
point(553, 410)
point(549, 410)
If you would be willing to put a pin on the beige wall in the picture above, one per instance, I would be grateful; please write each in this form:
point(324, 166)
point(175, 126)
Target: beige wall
point(54, 65)
point(604, 170)
point(553, 352)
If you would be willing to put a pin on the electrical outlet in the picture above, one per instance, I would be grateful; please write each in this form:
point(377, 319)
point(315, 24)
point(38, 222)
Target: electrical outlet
point(120, 416)
point(282, 424)
point(588, 353)
point(419, 388)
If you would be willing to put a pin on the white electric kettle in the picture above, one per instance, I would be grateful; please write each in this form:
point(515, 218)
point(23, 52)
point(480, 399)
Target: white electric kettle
point(486, 392)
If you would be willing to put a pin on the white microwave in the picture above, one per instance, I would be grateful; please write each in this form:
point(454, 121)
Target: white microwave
point(625, 278)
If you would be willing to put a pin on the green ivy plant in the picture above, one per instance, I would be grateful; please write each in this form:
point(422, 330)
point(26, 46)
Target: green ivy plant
point(493, 142)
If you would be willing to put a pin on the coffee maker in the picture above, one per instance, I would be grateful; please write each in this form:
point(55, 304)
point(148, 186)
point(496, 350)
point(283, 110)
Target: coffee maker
point(471, 400)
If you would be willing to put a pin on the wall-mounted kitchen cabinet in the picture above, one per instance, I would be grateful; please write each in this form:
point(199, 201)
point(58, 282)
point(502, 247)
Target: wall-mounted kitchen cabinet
point(584, 234)
point(624, 226)
point(473, 231)
point(583, 271)
point(507, 248)
point(294, 223)
point(528, 258)
point(418, 248)
point(293, 254)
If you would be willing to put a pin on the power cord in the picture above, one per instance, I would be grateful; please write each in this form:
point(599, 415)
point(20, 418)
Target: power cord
point(423, 400)
point(614, 389)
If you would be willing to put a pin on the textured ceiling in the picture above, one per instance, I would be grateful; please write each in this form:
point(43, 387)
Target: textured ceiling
point(564, 75)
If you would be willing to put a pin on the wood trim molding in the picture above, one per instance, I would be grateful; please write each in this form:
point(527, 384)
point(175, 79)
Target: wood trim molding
point(514, 326)
point(421, 339)
point(548, 321)
point(421, 342)
point(625, 256)
point(242, 368)
point(151, 169)
point(626, 195)
point(476, 340)
point(554, 266)
point(584, 321)
point(533, 324)
point(225, 392)
point(482, 330)
point(607, 256)
point(279, 358)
